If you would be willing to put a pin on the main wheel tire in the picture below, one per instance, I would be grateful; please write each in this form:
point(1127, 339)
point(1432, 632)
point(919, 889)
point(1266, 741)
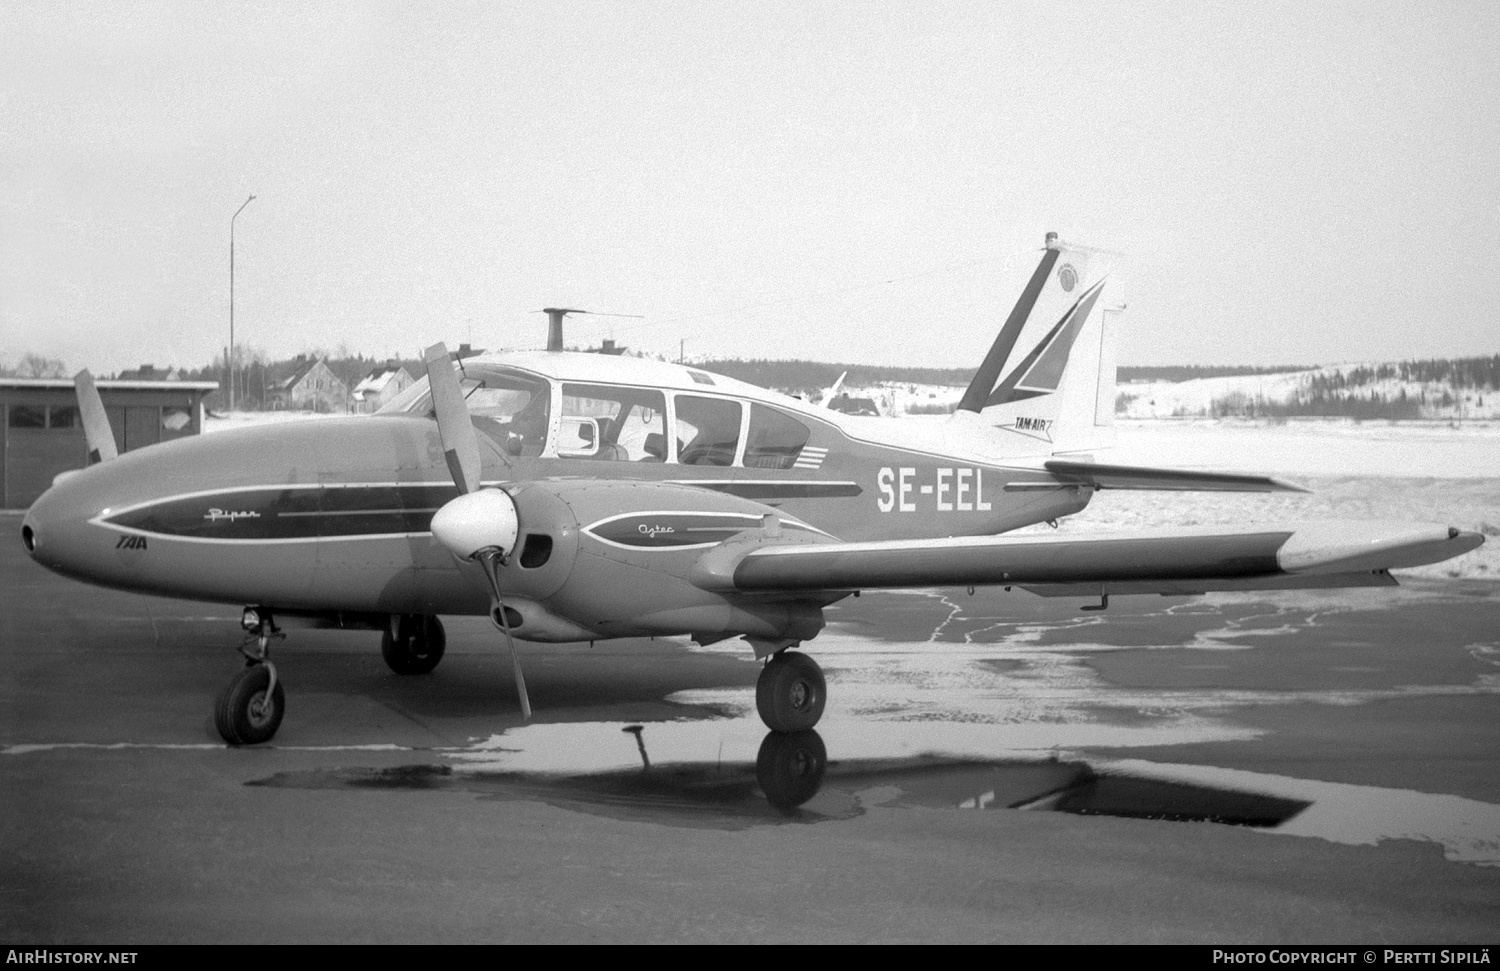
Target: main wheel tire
point(791, 692)
point(243, 712)
point(417, 646)
point(790, 768)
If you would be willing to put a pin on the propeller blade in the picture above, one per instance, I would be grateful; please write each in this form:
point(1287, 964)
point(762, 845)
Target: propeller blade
point(101, 437)
point(481, 524)
point(460, 443)
point(498, 611)
point(491, 559)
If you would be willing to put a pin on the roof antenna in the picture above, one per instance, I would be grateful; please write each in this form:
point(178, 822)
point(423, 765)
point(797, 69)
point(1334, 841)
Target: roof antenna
point(555, 317)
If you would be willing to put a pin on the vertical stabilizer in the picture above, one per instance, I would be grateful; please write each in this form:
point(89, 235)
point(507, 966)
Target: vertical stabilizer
point(1047, 384)
point(977, 395)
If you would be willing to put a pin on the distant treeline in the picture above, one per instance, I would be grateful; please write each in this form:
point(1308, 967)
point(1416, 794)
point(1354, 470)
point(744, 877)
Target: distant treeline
point(811, 377)
point(1192, 372)
point(1332, 405)
point(1325, 395)
point(1466, 372)
point(815, 377)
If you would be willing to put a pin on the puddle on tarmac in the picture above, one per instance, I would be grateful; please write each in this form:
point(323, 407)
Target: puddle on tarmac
point(793, 780)
point(679, 774)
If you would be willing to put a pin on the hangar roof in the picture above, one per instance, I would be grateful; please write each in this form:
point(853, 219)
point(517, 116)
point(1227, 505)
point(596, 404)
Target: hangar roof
point(66, 384)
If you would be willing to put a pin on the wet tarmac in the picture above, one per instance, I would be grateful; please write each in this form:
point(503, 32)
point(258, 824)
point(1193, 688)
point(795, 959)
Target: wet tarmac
point(1297, 768)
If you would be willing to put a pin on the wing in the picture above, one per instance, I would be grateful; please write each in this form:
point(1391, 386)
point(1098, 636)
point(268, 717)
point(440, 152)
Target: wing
point(1330, 554)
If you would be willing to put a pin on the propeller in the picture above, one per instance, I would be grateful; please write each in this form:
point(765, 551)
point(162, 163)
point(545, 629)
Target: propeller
point(481, 524)
point(96, 428)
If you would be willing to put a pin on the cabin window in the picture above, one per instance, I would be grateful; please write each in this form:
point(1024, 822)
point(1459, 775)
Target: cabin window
point(775, 439)
point(513, 409)
point(612, 424)
point(708, 430)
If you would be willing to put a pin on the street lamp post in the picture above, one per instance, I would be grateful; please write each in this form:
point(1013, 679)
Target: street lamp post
point(229, 361)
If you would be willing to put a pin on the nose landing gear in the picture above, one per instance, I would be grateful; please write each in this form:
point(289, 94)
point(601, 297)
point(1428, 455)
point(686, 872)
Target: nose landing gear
point(249, 709)
point(415, 646)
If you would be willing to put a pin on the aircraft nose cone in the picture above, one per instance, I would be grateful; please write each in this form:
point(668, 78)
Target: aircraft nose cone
point(36, 527)
point(55, 531)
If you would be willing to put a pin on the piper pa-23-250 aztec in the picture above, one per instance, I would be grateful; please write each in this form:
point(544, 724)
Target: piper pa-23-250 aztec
point(584, 497)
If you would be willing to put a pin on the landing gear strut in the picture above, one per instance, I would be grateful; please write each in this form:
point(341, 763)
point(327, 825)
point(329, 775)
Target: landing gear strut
point(791, 692)
point(415, 646)
point(249, 709)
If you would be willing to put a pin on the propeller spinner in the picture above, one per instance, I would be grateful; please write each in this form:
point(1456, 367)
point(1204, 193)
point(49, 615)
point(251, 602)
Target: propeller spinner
point(480, 524)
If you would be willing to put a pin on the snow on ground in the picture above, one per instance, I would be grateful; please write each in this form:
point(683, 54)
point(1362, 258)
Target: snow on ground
point(1314, 447)
point(1164, 399)
point(1167, 399)
point(1391, 471)
point(1196, 398)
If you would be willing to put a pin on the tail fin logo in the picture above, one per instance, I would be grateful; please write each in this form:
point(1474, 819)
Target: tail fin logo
point(1068, 277)
point(1041, 371)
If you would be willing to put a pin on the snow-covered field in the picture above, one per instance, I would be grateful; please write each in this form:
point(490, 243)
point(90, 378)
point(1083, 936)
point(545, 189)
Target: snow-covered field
point(1399, 471)
point(1166, 399)
point(1403, 471)
point(1315, 446)
point(1197, 398)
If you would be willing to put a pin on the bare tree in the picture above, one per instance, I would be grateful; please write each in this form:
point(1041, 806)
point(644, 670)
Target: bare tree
point(35, 365)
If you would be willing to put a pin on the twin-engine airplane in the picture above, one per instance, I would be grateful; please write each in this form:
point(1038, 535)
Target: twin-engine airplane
point(587, 497)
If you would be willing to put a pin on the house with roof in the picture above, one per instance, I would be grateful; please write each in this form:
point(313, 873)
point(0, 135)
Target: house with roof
point(312, 386)
point(150, 372)
point(381, 385)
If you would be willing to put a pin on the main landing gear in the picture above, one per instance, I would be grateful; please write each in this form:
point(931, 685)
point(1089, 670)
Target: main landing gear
point(791, 692)
point(249, 709)
point(416, 644)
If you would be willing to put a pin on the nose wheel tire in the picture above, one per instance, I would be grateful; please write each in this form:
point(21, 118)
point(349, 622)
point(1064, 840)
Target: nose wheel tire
point(245, 713)
point(791, 692)
point(417, 645)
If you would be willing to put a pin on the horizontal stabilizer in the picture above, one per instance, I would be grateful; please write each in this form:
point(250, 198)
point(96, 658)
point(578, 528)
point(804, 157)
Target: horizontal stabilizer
point(1164, 560)
point(1102, 476)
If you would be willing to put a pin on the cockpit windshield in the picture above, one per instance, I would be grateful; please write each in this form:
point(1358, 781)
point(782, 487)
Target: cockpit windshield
point(511, 407)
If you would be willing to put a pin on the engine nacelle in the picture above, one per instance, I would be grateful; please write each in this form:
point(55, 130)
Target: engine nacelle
point(655, 534)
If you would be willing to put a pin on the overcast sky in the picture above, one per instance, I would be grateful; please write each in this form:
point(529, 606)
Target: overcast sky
point(864, 182)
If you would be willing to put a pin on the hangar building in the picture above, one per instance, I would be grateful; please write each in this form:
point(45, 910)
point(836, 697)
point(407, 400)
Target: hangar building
point(41, 431)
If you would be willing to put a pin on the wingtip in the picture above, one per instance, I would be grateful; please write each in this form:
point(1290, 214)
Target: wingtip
point(1467, 538)
point(1345, 546)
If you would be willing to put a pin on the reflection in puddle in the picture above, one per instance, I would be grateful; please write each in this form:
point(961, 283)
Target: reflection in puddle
point(1178, 803)
point(676, 773)
point(787, 773)
point(792, 778)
